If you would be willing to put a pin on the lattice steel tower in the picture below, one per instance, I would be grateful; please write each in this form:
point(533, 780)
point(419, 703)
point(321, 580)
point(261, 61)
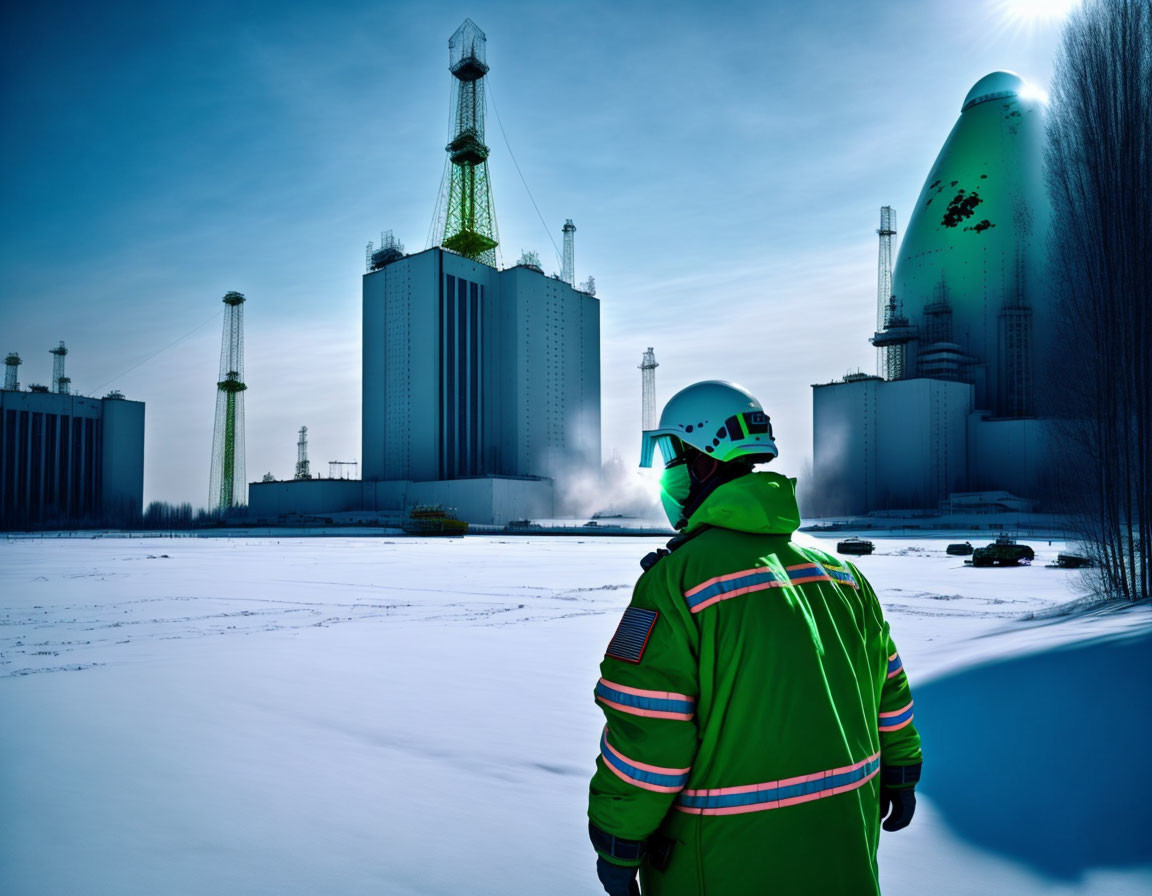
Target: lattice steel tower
point(59, 380)
point(568, 269)
point(467, 210)
point(227, 484)
point(886, 232)
point(302, 468)
point(648, 388)
point(12, 372)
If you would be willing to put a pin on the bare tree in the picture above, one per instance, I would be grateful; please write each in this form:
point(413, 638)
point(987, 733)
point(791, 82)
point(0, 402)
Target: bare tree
point(1099, 171)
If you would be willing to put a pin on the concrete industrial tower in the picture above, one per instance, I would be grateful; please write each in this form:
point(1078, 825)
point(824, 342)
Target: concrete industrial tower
point(467, 210)
point(59, 381)
point(568, 269)
point(227, 485)
point(302, 470)
point(648, 367)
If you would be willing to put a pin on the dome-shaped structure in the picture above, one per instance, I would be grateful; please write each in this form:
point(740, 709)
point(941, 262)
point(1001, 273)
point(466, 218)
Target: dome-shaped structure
point(998, 85)
point(978, 233)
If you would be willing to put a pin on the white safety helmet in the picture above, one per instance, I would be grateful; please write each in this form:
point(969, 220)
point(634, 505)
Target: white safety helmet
point(718, 418)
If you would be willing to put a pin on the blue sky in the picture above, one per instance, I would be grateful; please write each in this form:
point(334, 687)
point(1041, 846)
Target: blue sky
point(724, 164)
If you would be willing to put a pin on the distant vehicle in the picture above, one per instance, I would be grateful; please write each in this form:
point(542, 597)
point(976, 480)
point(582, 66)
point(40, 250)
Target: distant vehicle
point(433, 519)
point(855, 546)
point(960, 550)
point(1005, 552)
point(1071, 561)
point(591, 524)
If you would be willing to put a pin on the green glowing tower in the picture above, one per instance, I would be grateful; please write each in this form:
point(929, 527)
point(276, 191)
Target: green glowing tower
point(227, 485)
point(466, 208)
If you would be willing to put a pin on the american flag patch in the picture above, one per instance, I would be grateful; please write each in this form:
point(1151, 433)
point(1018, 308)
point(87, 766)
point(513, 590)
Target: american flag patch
point(632, 635)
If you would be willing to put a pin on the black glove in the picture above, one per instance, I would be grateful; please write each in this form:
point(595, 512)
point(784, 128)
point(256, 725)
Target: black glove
point(897, 807)
point(618, 880)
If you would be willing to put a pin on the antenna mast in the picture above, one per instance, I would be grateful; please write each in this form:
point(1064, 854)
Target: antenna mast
point(648, 386)
point(568, 270)
point(227, 483)
point(470, 220)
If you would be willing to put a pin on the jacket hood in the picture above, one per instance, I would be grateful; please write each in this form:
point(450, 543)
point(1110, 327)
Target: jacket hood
point(764, 503)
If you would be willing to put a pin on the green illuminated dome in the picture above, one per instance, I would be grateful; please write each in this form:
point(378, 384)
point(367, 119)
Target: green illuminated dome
point(975, 245)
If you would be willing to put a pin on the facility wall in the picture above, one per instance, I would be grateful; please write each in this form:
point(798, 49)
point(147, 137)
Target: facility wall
point(401, 370)
point(469, 298)
point(491, 500)
point(844, 447)
point(486, 500)
point(304, 497)
point(1012, 455)
point(555, 359)
point(921, 455)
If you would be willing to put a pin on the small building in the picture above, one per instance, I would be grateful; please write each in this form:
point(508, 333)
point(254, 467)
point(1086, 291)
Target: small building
point(69, 459)
point(881, 445)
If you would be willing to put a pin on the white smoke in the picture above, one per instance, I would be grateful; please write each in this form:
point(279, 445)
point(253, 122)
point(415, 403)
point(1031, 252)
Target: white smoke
point(616, 487)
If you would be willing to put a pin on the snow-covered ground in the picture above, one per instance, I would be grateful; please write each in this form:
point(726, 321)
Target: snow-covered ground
point(394, 716)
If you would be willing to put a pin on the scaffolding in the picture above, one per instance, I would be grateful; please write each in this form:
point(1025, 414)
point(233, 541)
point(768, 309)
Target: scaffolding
point(530, 259)
point(343, 469)
point(391, 249)
point(227, 485)
point(648, 367)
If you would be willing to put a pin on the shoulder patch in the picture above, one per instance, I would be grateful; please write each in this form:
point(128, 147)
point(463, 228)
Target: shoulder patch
point(632, 635)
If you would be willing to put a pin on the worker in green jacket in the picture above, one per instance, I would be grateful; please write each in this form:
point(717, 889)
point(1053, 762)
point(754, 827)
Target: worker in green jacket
point(759, 721)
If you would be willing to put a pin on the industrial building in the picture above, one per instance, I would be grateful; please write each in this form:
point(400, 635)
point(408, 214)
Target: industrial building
point(471, 371)
point(964, 330)
point(479, 384)
point(68, 459)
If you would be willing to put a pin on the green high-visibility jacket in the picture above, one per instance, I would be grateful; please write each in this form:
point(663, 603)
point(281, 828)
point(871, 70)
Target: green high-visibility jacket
point(753, 695)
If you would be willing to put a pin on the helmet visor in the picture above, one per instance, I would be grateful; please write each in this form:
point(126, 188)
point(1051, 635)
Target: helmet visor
point(670, 447)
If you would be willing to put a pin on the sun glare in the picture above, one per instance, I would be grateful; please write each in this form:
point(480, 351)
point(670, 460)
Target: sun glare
point(1032, 92)
point(1029, 13)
